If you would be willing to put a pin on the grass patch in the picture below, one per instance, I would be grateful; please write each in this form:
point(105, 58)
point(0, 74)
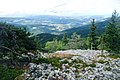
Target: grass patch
point(9, 73)
point(65, 62)
point(102, 56)
point(76, 66)
point(54, 61)
point(102, 61)
point(114, 56)
point(77, 61)
point(84, 65)
point(92, 65)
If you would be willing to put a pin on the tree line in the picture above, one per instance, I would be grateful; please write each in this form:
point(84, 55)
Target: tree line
point(15, 41)
point(109, 40)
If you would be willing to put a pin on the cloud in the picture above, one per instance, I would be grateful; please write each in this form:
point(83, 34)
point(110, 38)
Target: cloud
point(58, 7)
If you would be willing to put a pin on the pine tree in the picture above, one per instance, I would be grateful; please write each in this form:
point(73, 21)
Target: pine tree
point(88, 42)
point(65, 39)
point(93, 36)
point(76, 42)
point(112, 33)
point(102, 42)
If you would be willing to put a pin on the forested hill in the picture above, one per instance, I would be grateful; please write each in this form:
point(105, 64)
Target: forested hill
point(84, 30)
point(44, 37)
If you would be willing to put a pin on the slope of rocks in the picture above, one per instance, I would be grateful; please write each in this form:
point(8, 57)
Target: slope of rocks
point(83, 65)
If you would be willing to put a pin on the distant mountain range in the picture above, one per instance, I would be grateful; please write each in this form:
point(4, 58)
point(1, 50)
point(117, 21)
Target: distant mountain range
point(85, 29)
point(48, 27)
point(50, 24)
point(82, 30)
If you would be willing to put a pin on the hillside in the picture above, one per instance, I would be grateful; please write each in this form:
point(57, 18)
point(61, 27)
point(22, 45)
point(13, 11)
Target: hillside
point(84, 30)
point(75, 65)
point(49, 24)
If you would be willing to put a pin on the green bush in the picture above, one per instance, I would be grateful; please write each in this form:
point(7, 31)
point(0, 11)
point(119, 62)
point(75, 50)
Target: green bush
point(102, 61)
point(102, 56)
point(65, 62)
point(8, 73)
point(54, 61)
point(115, 56)
point(84, 65)
point(92, 65)
point(15, 41)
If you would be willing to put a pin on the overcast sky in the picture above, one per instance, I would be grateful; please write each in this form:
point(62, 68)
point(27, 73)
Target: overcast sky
point(58, 7)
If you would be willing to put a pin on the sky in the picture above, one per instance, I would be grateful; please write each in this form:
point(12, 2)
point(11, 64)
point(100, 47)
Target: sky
point(58, 7)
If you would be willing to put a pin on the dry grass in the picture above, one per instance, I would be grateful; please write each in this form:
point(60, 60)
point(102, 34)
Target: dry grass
point(60, 55)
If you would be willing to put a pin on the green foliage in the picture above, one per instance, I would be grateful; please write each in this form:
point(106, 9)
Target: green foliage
point(84, 65)
point(54, 45)
point(78, 61)
point(92, 65)
point(102, 42)
point(65, 62)
point(54, 61)
point(37, 42)
point(9, 74)
point(76, 66)
point(88, 42)
point(113, 34)
point(102, 61)
point(92, 37)
point(65, 39)
point(114, 56)
point(16, 39)
point(102, 56)
point(76, 42)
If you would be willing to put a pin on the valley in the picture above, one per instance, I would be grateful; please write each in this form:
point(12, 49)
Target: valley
point(51, 24)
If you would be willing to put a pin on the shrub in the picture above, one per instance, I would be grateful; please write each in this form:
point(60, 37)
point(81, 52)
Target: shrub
point(101, 61)
point(115, 56)
point(8, 73)
point(77, 61)
point(92, 65)
point(54, 61)
point(102, 56)
point(76, 66)
point(65, 62)
point(84, 65)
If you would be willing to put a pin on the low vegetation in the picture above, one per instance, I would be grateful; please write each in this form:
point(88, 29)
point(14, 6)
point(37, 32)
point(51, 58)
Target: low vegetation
point(9, 73)
point(14, 42)
point(54, 61)
point(115, 56)
point(102, 61)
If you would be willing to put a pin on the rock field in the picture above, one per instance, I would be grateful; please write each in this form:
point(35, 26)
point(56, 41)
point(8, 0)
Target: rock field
point(82, 65)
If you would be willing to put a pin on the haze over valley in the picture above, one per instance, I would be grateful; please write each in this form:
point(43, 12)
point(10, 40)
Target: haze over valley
point(50, 24)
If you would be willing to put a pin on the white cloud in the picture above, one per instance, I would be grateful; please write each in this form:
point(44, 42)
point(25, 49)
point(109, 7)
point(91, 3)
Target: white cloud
point(58, 7)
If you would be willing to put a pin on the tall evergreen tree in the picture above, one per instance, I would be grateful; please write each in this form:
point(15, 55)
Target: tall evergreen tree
point(15, 41)
point(102, 42)
point(76, 42)
point(112, 33)
point(65, 39)
point(93, 36)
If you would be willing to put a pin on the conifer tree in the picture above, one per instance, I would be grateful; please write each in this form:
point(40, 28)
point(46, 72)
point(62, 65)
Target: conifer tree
point(64, 39)
point(112, 33)
point(102, 42)
point(93, 36)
